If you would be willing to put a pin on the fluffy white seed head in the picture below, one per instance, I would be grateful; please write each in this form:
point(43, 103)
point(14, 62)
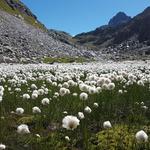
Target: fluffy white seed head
point(96, 105)
point(62, 91)
point(37, 135)
point(40, 92)
point(92, 90)
point(81, 115)
point(36, 110)
point(26, 96)
point(87, 109)
point(83, 96)
point(70, 122)
point(111, 86)
point(34, 96)
point(1, 88)
point(144, 107)
point(105, 86)
point(65, 112)
point(45, 101)
point(107, 124)
point(2, 146)
point(19, 111)
point(33, 87)
point(120, 91)
point(23, 129)
point(75, 94)
point(141, 136)
point(67, 138)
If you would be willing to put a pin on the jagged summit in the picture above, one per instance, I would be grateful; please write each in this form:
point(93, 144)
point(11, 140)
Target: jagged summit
point(118, 19)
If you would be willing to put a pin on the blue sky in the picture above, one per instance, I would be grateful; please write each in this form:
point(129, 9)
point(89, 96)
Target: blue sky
point(76, 16)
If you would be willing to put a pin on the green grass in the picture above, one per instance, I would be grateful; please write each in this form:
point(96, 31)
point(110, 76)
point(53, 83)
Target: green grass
point(120, 109)
point(65, 60)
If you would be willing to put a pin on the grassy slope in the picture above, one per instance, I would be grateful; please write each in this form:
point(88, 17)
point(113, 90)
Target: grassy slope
point(65, 60)
point(30, 20)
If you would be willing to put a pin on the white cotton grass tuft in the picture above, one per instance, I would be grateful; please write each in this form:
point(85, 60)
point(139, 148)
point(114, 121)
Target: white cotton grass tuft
point(141, 136)
point(2, 146)
point(62, 91)
point(37, 135)
point(67, 138)
point(144, 107)
point(23, 129)
point(45, 101)
point(120, 91)
point(1, 93)
point(83, 96)
point(111, 86)
point(19, 111)
point(99, 89)
point(96, 105)
point(34, 96)
point(56, 94)
point(26, 96)
point(75, 94)
point(83, 87)
point(17, 90)
point(65, 112)
point(36, 110)
point(81, 115)
point(1, 88)
point(107, 125)
point(40, 92)
point(105, 86)
point(87, 110)
point(70, 122)
point(65, 85)
point(33, 86)
point(92, 90)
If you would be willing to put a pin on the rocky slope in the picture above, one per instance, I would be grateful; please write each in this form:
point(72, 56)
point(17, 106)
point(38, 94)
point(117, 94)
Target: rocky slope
point(23, 41)
point(128, 37)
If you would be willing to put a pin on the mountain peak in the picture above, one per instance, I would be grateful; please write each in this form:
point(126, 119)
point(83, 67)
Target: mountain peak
point(119, 19)
point(147, 9)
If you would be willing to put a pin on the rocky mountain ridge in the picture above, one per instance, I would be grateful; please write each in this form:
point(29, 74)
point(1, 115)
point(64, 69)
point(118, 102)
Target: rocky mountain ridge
point(118, 19)
point(125, 39)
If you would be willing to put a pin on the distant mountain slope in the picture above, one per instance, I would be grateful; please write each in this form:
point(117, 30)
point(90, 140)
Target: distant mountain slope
point(137, 28)
point(101, 35)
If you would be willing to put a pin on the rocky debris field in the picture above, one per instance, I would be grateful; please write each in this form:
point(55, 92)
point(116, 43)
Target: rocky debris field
point(21, 42)
point(132, 49)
